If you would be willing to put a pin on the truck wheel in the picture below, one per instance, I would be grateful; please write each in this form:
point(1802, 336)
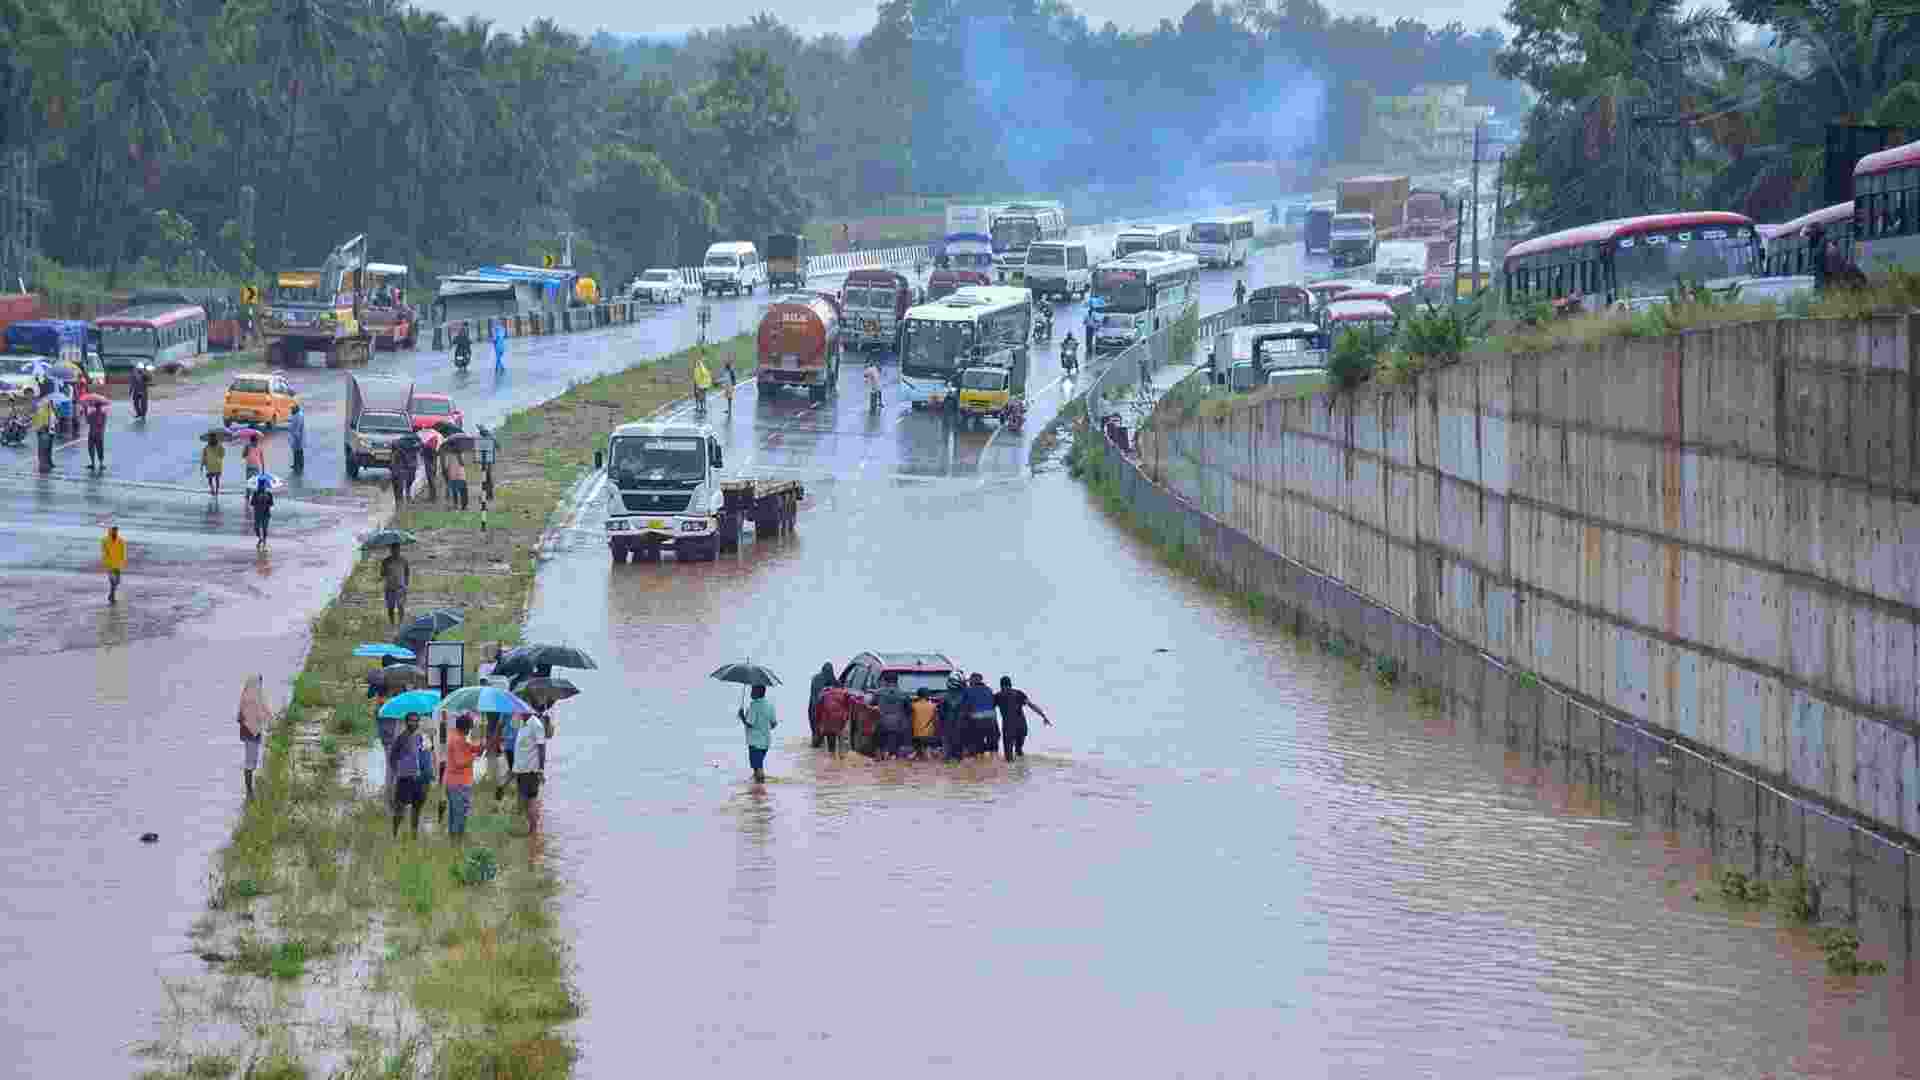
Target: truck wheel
point(729, 532)
point(647, 553)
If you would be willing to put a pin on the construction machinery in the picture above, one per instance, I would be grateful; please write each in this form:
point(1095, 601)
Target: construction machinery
point(321, 311)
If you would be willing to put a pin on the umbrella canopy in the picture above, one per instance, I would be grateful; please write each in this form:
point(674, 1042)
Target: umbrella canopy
point(484, 699)
point(447, 427)
point(237, 433)
point(459, 443)
point(413, 701)
point(543, 691)
point(431, 439)
point(423, 627)
point(397, 678)
point(215, 433)
point(526, 659)
point(94, 401)
point(388, 538)
point(381, 648)
point(266, 480)
point(66, 368)
point(746, 675)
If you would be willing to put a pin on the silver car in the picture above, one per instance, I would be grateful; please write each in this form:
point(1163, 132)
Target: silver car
point(658, 286)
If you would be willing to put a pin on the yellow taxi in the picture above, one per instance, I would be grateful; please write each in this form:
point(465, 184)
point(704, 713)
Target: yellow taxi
point(258, 398)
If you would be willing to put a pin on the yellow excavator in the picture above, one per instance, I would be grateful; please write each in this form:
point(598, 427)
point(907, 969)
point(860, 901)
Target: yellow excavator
point(320, 310)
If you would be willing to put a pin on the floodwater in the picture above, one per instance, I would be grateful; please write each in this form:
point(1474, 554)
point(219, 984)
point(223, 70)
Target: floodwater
point(1232, 855)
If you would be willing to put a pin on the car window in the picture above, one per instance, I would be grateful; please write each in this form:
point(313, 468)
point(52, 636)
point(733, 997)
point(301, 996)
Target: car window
point(248, 384)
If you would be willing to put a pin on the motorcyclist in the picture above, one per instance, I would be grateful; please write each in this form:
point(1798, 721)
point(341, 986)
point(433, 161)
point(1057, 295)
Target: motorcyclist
point(1240, 294)
point(462, 346)
point(1069, 352)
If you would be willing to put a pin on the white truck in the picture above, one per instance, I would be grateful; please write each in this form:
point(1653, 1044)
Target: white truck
point(968, 242)
point(666, 491)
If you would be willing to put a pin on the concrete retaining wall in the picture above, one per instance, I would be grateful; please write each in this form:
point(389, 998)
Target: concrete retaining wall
point(1689, 566)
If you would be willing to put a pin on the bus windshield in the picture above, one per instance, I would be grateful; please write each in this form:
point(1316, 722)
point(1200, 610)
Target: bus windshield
point(1275, 309)
point(933, 348)
point(1207, 232)
point(1651, 263)
point(1014, 234)
point(1123, 290)
point(1127, 245)
point(1046, 255)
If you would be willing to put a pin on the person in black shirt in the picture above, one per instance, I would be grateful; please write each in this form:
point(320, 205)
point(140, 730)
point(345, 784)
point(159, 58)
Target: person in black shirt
point(1013, 705)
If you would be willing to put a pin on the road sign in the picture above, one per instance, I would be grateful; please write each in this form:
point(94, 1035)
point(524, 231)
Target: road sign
point(249, 294)
point(546, 261)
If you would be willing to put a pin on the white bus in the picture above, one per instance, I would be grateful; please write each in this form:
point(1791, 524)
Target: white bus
point(1017, 227)
point(943, 337)
point(1223, 242)
point(1140, 294)
point(1146, 238)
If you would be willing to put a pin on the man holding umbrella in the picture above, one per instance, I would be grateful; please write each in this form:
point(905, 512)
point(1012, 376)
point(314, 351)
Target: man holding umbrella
point(396, 573)
point(96, 413)
point(757, 717)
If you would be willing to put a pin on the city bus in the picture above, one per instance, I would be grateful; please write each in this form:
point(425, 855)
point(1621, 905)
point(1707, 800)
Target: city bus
point(1146, 238)
point(1886, 208)
point(974, 322)
point(1281, 304)
point(1141, 294)
point(1627, 259)
point(163, 334)
point(1017, 227)
point(1787, 251)
point(1221, 242)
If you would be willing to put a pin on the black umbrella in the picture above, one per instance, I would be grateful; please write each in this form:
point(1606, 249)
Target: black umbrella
point(422, 628)
point(528, 659)
point(447, 427)
point(746, 675)
point(543, 691)
point(459, 442)
point(397, 678)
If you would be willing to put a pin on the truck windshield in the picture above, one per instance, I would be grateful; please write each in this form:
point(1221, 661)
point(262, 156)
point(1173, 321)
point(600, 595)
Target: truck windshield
point(1207, 232)
point(638, 461)
point(1347, 223)
point(300, 287)
point(1042, 255)
point(384, 421)
point(722, 260)
point(1014, 234)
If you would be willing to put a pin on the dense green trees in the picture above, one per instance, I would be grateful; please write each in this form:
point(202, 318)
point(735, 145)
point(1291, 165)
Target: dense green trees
point(256, 133)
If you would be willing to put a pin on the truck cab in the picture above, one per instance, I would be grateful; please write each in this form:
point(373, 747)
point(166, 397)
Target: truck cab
point(1353, 239)
point(666, 492)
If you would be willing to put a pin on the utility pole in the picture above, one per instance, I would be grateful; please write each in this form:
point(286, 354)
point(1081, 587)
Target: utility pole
point(1459, 245)
point(566, 260)
point(1499, 197)
point(1476, 208)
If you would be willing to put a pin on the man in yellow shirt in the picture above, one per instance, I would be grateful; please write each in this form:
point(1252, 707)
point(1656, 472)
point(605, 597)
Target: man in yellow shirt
point(702, 382)
point(43, 432)
point(113, 555)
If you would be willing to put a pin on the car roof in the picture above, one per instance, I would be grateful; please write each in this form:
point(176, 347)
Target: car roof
point(911, 661)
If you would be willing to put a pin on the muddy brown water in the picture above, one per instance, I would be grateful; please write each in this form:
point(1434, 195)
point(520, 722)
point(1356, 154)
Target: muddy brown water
point(1233, 855)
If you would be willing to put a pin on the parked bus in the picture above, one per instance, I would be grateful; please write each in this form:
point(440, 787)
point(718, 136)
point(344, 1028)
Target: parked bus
point(1787, 251)
point(1146, 238)
point(1615, 262)
point(1142, 293)
point(1222, 242)
point(875, 301)
point(1281, 304)
point(1398, 297)
point(1017, 227)
point(943, 337)
point(164, 335)
point(1363, 316)
point(1886, 208)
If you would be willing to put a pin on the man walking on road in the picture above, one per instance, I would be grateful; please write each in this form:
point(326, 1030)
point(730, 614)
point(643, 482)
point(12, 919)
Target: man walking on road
point(113, 556)
point(213, 460)
point(96, 438)
point(297, 437)
point(396, 575)
point(43, 432)
point(1013, 705)
point(499, 347)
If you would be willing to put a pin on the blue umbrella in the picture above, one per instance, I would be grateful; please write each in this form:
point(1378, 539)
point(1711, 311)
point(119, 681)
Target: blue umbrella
point(413, 701)
point(486, 699)
point(371, 649)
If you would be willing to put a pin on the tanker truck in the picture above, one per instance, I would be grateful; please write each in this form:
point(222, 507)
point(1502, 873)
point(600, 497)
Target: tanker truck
point(799, 344)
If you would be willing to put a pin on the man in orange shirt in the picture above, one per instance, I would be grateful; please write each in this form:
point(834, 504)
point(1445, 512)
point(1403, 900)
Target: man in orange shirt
point(461, 752)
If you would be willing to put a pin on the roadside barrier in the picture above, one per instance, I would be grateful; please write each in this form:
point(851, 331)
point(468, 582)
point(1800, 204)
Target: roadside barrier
point(1136, 364)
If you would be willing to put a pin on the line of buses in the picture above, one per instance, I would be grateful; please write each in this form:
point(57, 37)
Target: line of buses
point(157, 330)
point(1636, 260)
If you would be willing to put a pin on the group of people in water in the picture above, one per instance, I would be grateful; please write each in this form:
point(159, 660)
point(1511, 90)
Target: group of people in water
point(968, 719)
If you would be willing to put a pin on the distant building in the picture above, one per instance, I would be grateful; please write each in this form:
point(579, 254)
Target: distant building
point(1434, 123)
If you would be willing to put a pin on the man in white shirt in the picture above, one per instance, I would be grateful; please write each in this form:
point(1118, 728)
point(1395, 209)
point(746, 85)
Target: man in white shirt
point(530, 766)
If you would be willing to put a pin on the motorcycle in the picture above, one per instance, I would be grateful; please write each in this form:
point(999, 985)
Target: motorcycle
point(1070, 355)
point(462, 354)
point(1042, 330)
point(13, 430)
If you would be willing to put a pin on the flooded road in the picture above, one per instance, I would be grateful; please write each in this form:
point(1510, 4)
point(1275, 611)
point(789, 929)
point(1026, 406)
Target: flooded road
point(1233, 855)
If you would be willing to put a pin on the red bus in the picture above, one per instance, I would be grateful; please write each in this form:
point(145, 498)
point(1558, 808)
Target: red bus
point(1787, 252)
point(1612, 262)
point(164, 335)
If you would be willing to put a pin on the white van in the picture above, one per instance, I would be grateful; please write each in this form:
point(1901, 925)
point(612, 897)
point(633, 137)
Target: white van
point(1059, 268)
point(732, 267)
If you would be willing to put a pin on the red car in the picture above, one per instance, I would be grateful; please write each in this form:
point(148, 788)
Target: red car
point(430, 409)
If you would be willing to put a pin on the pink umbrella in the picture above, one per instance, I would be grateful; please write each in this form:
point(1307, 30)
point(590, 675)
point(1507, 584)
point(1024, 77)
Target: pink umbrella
point(431, 439)
point(94, 401)
point(241, 433)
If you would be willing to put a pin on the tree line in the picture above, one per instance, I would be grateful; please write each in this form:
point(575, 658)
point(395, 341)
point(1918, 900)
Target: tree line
point(1646, 106)
point(244, 135)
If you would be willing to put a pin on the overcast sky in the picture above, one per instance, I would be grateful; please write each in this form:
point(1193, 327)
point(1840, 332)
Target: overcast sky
point(854, 17)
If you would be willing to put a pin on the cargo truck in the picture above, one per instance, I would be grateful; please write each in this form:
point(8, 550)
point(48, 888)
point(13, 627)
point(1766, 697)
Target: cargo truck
point(667, 491)
point(1385, 197)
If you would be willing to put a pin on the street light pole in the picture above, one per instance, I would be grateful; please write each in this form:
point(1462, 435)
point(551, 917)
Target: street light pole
point(1476, 208)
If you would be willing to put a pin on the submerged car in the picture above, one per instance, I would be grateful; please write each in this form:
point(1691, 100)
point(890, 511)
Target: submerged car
point(870, 675)
point(658, 286)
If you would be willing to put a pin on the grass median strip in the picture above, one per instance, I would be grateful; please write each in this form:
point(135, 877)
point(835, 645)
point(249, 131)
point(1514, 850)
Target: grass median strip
point(335, 950)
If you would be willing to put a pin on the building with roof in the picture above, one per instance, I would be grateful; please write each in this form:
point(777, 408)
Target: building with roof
point(505, 289)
